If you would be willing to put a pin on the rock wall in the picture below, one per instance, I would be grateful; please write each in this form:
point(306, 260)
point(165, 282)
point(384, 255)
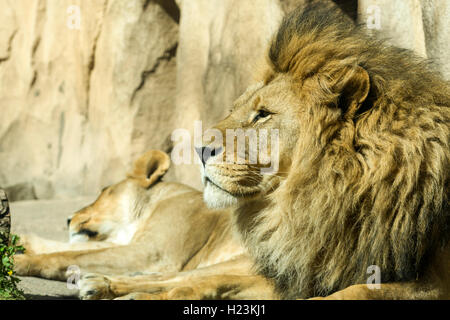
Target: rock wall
point(88, 85)
point(419, 25)
point(84, 87)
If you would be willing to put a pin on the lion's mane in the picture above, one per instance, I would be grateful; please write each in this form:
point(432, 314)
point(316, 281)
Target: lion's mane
point(371, 190)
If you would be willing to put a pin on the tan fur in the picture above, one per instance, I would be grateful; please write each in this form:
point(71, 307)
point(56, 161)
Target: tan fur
point(158, 230)
point(364, 165)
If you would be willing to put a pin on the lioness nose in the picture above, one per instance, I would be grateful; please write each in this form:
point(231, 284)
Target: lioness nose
point(68, 221)
point(206, 152)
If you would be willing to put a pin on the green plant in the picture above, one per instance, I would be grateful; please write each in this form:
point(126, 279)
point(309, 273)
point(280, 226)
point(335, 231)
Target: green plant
point(8, 281)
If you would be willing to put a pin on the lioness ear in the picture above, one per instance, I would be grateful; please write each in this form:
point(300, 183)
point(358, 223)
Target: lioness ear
point(150, 167)
point(353, 86)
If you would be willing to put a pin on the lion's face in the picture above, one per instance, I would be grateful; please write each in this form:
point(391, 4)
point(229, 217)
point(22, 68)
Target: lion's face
point(303, 113)
point(262, 109)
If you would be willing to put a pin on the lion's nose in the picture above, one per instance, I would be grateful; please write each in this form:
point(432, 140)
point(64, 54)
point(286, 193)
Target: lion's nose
point(68, 221)
point(206, 152)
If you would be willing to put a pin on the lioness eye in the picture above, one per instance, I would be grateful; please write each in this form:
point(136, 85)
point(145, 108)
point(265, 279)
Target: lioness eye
point(261, 115)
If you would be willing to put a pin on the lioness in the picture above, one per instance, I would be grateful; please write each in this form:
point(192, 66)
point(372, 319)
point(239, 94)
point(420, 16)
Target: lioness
point(363, 178)
point(140, 225)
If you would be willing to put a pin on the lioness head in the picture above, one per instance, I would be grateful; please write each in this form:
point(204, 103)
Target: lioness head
point(111, 217)
point(363, 158)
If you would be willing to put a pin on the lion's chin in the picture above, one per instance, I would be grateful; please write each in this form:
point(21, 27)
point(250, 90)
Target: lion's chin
point(216, 198)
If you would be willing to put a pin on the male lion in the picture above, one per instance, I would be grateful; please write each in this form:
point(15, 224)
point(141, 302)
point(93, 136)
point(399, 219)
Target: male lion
point(363, 176)
point(139, 225)
point(364, 165)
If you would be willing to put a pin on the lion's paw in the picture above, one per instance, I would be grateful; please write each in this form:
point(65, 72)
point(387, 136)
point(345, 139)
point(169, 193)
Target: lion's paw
point(95, 287)
point(23, 264)
point(28, 242)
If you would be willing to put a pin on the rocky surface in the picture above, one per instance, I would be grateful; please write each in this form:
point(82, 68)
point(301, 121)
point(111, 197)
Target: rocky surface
point(419, 25)
point(5, 218)
point(88, 85)
point(79, 100)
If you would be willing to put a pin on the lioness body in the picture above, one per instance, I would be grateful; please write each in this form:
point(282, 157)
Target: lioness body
point(173, 232)
point(139, 227)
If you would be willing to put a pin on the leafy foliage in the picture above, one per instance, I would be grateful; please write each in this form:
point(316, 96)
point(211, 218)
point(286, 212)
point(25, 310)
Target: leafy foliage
point(8, 281)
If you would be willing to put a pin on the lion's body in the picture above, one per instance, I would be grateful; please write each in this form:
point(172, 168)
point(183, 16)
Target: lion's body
point(364, 162)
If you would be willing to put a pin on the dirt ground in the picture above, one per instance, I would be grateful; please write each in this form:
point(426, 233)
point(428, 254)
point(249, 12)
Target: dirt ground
point(47, 219)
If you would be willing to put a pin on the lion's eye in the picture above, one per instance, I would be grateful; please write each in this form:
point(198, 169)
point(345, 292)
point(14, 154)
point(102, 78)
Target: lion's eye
point(261, 115)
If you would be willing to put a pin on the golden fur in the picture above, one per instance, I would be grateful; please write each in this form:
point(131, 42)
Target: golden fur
point(364, 161)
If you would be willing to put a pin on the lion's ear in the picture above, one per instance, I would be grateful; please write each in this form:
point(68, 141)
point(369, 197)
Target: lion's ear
point(352, 84)
point(150, 167)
